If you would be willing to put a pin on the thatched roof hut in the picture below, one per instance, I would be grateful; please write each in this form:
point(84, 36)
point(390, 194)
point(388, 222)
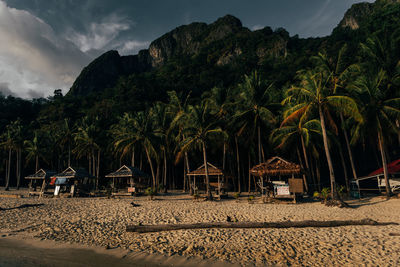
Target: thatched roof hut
point(127, 172)
point(212, 171)
point(40, 175)
point(70, 173)
point(275, 166)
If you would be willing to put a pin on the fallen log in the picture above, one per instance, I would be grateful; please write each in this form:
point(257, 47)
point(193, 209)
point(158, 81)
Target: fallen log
point(285, 224)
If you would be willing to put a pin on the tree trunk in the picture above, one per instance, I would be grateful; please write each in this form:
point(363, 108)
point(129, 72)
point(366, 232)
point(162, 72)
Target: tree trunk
point(252, 225)
point(223, 157)
point(98, 169)
point(158, 176)
point(189, 178)
point(327, 153)
point(8, 170)
point(346, 178)
point(69, 154)
point(37, 163)
point(384, 163)
point(259, 144)
point(301, 164)
point(318, 171)
point(208, 189)
point(133, 157)
point(18, 171)
point(165, 172)
point(353, 168)
point(249, 189)
point(238, 163)
point(151, 167)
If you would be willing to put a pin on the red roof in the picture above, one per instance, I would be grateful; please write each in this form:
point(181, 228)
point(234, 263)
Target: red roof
point(393, 167)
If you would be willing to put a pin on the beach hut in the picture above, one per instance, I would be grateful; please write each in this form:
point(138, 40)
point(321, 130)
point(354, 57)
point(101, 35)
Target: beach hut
point(277, 178)
point(216, 176)
point(41, 178)
point(72, 181)
point(128, 180)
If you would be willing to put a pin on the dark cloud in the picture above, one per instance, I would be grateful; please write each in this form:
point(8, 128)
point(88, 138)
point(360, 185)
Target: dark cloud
point(5, 90)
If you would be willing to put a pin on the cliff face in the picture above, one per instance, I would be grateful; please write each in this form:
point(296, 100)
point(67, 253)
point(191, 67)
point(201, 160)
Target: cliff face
point(184, 41)
point(355, 14)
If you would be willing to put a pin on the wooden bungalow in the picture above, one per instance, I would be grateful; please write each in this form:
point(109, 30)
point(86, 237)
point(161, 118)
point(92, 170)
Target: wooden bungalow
point(274, 178)
point(73, 181)
point(216, 176)
point(128, 180)
point(39, 179)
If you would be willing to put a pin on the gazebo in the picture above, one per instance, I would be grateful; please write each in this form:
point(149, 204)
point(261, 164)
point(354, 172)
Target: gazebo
point(216, 177)
point(283, 187)
point(129, 180)
point(39, 178)
point(72, 179)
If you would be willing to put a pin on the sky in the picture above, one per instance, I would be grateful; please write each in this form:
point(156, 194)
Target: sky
point(44, 44)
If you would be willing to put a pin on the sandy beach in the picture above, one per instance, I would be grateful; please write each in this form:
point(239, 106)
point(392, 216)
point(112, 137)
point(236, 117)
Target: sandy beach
point(96, 226)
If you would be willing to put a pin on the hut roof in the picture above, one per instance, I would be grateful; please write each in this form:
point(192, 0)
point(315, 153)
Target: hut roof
point(127, 171)
point(72, 173)
point(212, 170)
point(41, 174)
point(275, 166)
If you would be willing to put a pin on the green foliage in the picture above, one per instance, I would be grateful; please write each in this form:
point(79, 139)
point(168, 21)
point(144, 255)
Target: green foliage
point(236, 195)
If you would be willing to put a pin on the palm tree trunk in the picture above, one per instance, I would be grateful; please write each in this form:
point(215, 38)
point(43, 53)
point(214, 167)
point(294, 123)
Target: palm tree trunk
point(353, 168)
point(238, 163)
point(259, 143)
point(327, 153)
point(69, 154)
point(165, 172)
point(223, 157)
point(17, 169)
point(384, 164)
point(249, 189)
point(346, 178)
point(8, 170)
point(151, 167)
point(189, 178)
point(303, 146)
point(133, 157)
point(37, 163)
point(208, 189)
point(302, 166)
point(98, 169)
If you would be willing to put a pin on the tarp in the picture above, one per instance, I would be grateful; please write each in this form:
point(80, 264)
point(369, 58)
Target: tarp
point(393, 167)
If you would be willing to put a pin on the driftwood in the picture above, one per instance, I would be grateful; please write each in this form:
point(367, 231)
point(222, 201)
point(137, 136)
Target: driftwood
point(286, 224)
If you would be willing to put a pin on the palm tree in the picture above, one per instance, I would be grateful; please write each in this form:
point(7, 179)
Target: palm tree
point(198, 130)
point(136, 129)
point(34, 149)
point(312, 95)
point(66, 137)
point(379, 113)
point(291, 133)
point(254, 107)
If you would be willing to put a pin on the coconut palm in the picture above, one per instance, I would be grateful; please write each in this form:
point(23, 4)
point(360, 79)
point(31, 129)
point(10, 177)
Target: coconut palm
point(34, 150)
point(66, 137)
point(254, 108)
point(199, 128)
point(379, 111)
point(314, 95)
point(136, 129)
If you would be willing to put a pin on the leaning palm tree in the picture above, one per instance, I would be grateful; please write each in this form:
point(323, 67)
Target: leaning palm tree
point(379, 111)
point(199, 128)
point(313, 95)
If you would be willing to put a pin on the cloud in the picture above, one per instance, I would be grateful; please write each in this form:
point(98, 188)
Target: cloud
point(33, 58)
point(99, 35)
point(131, 47)
point(4, 90)
point(257, 27)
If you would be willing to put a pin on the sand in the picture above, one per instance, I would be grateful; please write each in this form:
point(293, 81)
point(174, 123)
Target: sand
point(99, 223)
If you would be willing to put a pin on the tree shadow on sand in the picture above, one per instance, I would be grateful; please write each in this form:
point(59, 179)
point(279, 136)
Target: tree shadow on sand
point(23, 206)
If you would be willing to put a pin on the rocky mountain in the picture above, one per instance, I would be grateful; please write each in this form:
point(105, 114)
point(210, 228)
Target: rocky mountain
point(186, 41)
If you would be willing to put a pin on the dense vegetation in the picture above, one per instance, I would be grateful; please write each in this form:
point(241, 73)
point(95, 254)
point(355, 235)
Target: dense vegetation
point(331, 104)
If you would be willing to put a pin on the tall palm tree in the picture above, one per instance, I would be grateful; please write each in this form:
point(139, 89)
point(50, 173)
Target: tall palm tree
point(379, 111)
point(136, 129)
point(254, 107)
point(198, 130)
point(66, 136)
point(34, 149)
point(313, 95)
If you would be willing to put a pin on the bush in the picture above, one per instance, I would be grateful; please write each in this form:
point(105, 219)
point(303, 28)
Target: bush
point(150, 192)
point(325, 192)
point(236, 195)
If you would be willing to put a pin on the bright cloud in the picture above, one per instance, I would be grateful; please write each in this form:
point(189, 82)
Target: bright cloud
point(33, 59)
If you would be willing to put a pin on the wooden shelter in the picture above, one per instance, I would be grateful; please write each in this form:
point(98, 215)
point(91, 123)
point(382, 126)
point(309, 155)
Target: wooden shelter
point(216, 176)
point(273, 175)
point(40, 178)
point(76, 180)
point(128, 180)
